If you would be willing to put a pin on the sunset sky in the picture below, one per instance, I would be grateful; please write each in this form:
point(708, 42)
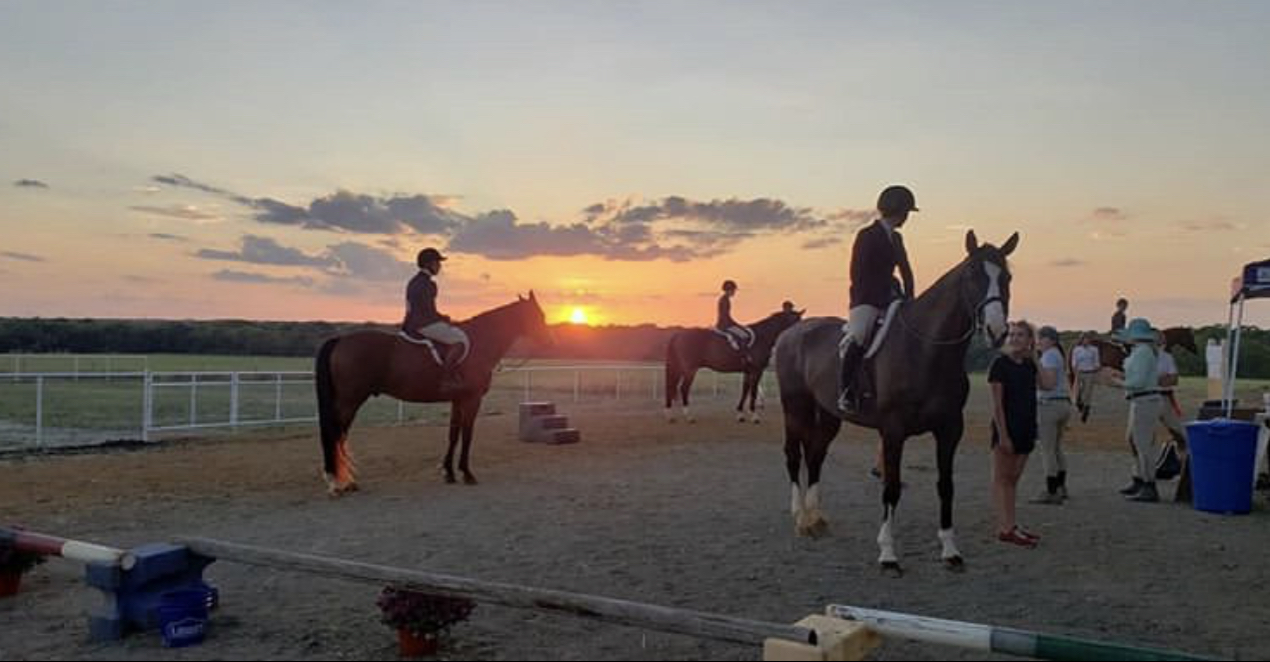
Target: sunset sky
point(286, 160)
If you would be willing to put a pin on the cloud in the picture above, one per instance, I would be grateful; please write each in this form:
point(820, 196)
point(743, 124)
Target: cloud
point(1109, 214)
point(369, 263)
point(341, 211)
point(1068, 262)
point(263, 250)
point(1211, 225)
point(167, 237)
point(23, 257)
point(30, 183)
point(142, 280)
point(821, 242)
point(673, 228)
point(182, 212)
point(231, 276)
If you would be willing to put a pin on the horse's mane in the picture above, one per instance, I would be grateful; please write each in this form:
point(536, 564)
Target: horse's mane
point(481, 317)
point(985, 252)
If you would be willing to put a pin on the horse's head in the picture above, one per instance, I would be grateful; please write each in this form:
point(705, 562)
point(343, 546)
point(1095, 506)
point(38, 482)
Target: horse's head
point(987, 284)
point(533, 321)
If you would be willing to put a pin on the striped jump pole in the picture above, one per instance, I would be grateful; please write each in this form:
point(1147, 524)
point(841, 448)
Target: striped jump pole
point(72, 550)
point(990, 639)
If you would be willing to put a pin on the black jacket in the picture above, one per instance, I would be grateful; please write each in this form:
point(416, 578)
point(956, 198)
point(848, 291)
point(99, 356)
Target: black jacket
point(421, 303)
point(874, 258)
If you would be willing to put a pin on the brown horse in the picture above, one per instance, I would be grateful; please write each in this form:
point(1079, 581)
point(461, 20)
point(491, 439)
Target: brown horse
point(691, 350)
point(356, 366)
point(1111, 354)
point(920, 386)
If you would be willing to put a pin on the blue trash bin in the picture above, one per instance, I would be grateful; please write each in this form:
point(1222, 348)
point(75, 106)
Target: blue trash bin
point(183, 616)
point(1223, 454)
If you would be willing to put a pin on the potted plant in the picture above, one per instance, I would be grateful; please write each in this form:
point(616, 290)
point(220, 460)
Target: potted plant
point(421, 618)
point(13, 563)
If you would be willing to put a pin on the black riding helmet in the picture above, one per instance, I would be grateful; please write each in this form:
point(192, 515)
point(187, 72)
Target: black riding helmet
point(896, 200)
point(729, 285)
point(429, 255)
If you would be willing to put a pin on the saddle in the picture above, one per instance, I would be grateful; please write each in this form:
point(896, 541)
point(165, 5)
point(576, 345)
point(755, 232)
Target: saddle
point(436, 349)
point(863, 386)
point(732, 340)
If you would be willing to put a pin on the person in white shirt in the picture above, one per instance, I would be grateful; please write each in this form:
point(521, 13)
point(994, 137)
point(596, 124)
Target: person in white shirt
point(1053, 410)
point(1085, 366)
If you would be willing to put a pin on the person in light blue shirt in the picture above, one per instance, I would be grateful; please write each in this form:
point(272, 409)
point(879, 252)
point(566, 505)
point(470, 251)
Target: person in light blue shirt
point(1141, 382)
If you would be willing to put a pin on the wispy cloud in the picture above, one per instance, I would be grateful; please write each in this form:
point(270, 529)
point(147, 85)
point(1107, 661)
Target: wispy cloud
point(339, 211)
point(673, 228)
point(231, 276)
point(21, 257)
point(30, 183)
point(167, 237)
point(821, 242)
point(182, 212)
point(263, 250)
point(1109, 214)
point(1211, 225)
point(1068, 262)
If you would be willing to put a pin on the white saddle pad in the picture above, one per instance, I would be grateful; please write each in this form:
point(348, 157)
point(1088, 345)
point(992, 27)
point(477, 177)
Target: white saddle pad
point(879, 334)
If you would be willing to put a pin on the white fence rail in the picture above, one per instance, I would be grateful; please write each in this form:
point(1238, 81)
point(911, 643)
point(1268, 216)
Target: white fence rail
point(14, 364)
point(44, 409)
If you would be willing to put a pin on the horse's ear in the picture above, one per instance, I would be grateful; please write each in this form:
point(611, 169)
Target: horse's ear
point(800, 312)
point(520, 297)
point(532, 297)
point(972, 242)
point(1010, 244)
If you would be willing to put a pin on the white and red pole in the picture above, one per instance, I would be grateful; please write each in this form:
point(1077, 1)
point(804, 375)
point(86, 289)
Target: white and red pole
point(74, 550)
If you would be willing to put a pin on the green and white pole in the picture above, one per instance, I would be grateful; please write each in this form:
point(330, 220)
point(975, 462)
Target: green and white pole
point(986, 638)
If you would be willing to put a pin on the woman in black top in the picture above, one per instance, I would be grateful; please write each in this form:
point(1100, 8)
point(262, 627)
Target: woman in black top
point(1012, 378)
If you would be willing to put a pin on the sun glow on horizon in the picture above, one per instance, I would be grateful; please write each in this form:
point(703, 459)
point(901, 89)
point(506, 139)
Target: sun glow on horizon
point(578, 316)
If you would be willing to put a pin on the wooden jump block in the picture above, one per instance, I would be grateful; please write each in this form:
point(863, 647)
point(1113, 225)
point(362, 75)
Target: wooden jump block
point(563, 436)
point(838, 639)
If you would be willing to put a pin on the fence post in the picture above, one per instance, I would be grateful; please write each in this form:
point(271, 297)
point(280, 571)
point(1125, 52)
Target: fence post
point(577, 378)
point(147, 405)
point(277, 397)
point(39, 411)
point(233, 400)
point(526, 399)
point(193, 398)
point(76, 364)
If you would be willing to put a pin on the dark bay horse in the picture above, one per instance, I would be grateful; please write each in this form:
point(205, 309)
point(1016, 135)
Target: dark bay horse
point(693, 349)
point(920, 386)
point(358, 365)
point(1111, 354)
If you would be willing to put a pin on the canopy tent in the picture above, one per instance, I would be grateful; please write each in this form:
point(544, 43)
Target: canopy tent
point(1252, 283)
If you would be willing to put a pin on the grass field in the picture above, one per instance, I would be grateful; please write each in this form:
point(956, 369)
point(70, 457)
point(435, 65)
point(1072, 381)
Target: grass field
point(93, 409)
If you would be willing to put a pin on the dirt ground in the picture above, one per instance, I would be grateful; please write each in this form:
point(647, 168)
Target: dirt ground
point(690, 516)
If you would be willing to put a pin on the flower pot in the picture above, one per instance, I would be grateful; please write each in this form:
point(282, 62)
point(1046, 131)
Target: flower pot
point(416, 645)
point(9, 581)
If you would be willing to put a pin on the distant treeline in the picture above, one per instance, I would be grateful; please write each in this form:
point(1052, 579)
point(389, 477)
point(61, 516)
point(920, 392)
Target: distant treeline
point(613, 343)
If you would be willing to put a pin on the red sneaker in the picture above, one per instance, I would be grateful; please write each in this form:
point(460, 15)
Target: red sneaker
point(1015, 538)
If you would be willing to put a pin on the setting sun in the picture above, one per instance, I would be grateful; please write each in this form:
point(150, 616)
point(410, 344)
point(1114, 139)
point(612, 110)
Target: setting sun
point(578, 316)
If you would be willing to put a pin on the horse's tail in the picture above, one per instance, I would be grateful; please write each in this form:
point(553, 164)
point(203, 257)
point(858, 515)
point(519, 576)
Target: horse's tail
point(328, 417)
point(673, 374)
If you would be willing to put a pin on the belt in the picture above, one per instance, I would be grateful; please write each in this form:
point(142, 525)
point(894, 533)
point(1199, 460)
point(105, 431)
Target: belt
point(1062, 399)
point(1143, 394)
point(1090, 372)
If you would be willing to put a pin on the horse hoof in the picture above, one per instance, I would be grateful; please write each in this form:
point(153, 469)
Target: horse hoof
point(955, 564)
point(469, 479)
point(892, 569)
point(740, 418)
point(757, 420)
point(449, 479)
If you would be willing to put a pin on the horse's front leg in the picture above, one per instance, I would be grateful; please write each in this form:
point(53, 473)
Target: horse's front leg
point(469, 426)
point(946, 441)
point(754, 383)
point(456, 427)
point(745, 391)
point(893, 455)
